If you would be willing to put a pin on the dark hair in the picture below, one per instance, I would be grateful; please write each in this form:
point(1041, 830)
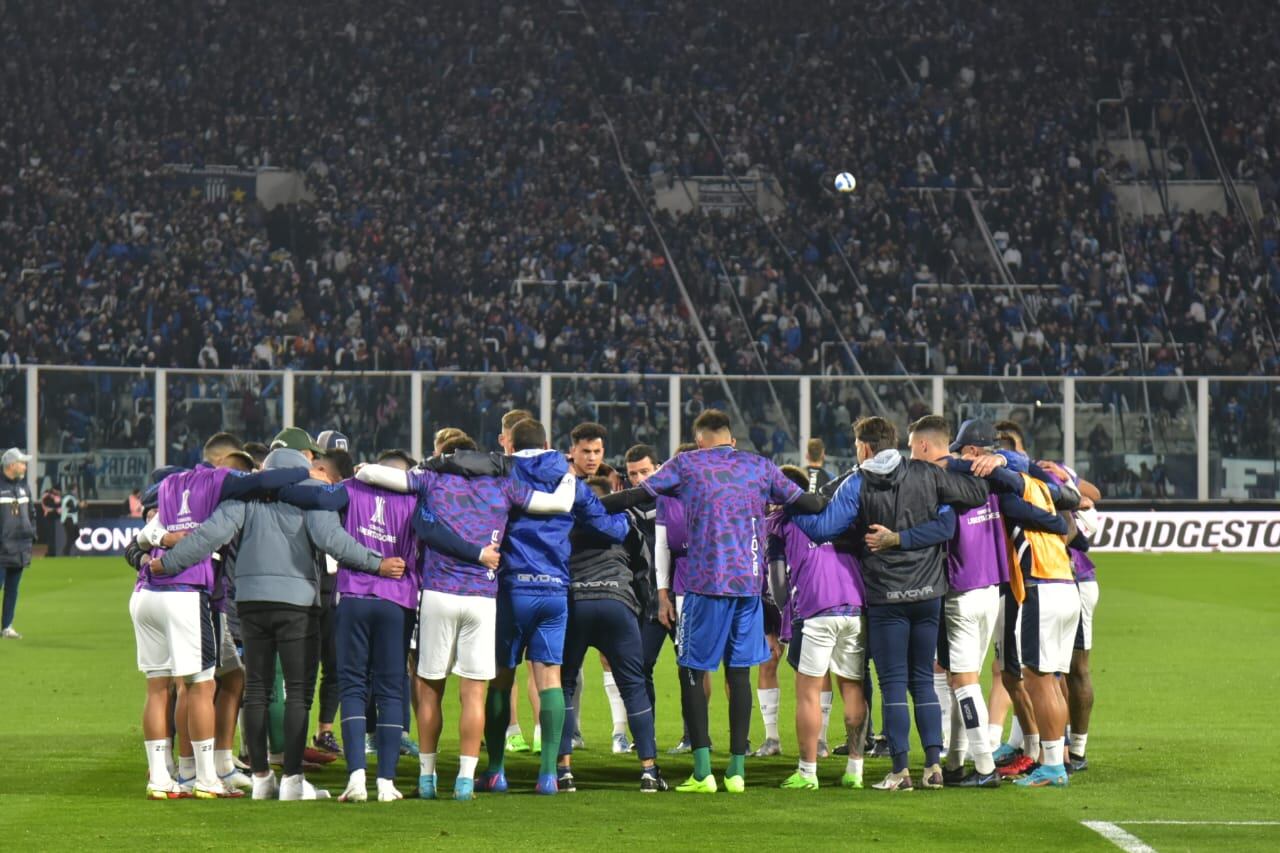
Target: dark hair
point(796, 475)
point(712, 420)
point(877, 433)
point(815, 449)
point(397, 453)
point(935, 424)
point(338, 462)
point(588, 431)
point(600, 485)
point(641, 452)
point(605, 470)
point(685, 447)
point(1014, 428)
point(528, 434)
point(513, 417)
point(257, 450)
point(220, 443)
point(457, 442)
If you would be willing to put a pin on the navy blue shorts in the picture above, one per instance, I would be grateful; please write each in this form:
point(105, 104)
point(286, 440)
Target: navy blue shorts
point(717, 628)
point(531, 626)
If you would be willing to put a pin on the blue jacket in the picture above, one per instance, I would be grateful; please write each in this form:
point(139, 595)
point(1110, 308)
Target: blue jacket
point(535, 551)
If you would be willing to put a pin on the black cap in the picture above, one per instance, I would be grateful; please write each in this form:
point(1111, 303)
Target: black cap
point(975, 432)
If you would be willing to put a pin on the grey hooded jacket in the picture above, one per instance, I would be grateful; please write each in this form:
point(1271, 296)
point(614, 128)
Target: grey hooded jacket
point(276, 560)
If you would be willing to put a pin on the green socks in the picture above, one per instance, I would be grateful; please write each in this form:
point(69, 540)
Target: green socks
point(497, 713)
point(702, 762)
point(737, 766)
point(551, 719)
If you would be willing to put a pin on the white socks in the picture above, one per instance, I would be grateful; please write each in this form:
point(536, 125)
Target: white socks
point(206, 772)
point(1077, 743)
point(617, 708)
point(995, 735)
point(222, 762)
point(1052, 752)
point(825, 700)
point(972, 711)
point(1031, 746)
point(769, 697)
point(427, 763)
point(157, 762)
point(513, 729)
point(186, 767)
point(943, 690)
point(168, 758)
point(467, 766)
point(808, 769)
point(1016, 737)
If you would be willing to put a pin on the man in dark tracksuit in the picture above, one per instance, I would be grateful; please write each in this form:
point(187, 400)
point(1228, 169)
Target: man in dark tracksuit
point(904, 588)
point(17, 532)
point(603, 611)
point(642, 461)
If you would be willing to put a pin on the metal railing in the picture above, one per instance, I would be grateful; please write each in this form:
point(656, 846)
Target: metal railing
point(105, 428)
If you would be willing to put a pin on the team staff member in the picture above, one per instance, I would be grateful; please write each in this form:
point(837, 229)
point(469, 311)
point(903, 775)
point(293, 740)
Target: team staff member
point(17, 532)
point(904, 588)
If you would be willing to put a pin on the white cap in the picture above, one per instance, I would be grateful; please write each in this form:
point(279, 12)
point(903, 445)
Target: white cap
point(12, 456)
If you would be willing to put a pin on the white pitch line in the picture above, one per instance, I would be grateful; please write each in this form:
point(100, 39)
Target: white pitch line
point(1198, 822)
point(1117, 836)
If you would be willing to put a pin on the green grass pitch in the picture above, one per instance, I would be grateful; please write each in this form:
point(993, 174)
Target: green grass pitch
point(1185, 668)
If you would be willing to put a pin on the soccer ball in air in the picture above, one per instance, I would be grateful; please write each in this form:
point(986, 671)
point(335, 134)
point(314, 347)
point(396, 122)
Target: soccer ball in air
point(845, 182)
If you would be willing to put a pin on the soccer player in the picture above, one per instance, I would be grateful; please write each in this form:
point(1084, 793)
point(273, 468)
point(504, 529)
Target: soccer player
point(1078, 684)
point(515, 741)
point(174, 625)
point(671, 550)
point(642, 462)
point(724, 493)
point(586, 457)
point(372, 622)
point(815, 458)
point(458, 610)
point(904, 588)
point(977, 563)
point(277, 596)
point(605, 575)
point(533, 602)
point(820, 590)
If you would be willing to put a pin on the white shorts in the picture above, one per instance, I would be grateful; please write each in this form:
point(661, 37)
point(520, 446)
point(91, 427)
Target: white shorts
point(1088, 601)
point(969, 622)
point(175, 634)
point(457, 634)
point(830, 643)
point(228, 657)
point(1050, 615)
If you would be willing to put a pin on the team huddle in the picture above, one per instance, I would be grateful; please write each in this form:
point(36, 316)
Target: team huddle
point(263, 566)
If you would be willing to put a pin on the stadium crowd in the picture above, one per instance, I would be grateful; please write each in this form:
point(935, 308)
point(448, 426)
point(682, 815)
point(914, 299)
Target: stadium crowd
point(481, 155)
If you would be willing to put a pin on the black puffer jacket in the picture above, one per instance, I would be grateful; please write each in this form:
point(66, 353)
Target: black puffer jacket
point(908, 495)
point(17, 523)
